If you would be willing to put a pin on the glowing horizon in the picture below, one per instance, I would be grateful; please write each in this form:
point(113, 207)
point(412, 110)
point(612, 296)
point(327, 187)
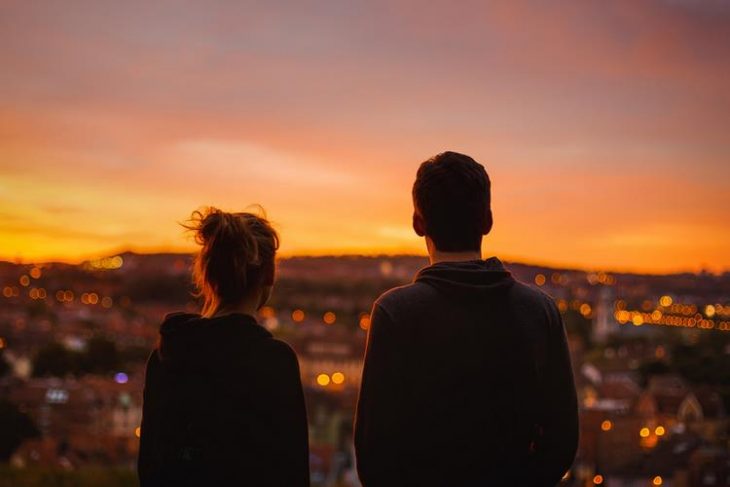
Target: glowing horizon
point(603, 130)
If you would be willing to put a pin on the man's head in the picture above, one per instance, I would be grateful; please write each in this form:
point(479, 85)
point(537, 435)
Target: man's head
point(451, 200)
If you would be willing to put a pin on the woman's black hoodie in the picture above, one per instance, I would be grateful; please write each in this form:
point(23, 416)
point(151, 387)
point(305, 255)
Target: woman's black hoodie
point(223, 405)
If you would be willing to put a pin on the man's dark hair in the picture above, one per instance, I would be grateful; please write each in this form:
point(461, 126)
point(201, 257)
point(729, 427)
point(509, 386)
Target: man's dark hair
point(452, 195)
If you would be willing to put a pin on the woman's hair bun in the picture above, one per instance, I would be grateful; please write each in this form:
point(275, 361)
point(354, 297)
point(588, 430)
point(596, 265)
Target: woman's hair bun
point(237, 253)
point(211, 225)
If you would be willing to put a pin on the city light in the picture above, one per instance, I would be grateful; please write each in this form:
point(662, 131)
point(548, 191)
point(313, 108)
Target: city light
point(606, 425)
point(329, 317)
point(121, 378)
point(323, 380)
point(2, 343)
point(644, 432)
point(622, 316)
point(24, 280)
point(106, 263)
point(138, 431)
point(297, 315)
point(585, 309)
point(659, 431)
point(56, 396)
point(338, 378)
point(365, 321)
point(267, 312)
point(89, 298)
point(540, 279)
point(690, 319)
point(598, 479)
point(37, 293)
point(665, 301)
point(35, 273)
point(657, 480)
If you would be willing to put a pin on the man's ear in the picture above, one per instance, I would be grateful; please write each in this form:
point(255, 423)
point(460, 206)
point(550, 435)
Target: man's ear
point(269, 272)
point(419, 226)
point(264, 298)
point(488, 223)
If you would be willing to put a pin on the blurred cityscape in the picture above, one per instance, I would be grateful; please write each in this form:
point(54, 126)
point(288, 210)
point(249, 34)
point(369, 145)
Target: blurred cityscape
point(651, 355)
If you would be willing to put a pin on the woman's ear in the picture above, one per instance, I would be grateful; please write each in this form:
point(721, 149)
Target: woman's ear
point(419, 226)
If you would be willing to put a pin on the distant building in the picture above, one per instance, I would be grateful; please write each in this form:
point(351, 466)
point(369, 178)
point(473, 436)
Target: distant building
point(92, 419)
point(603, 321)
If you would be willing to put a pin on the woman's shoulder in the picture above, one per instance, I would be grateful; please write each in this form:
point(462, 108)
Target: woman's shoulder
point(178, 319)
point(274, 352)
point(275, 347)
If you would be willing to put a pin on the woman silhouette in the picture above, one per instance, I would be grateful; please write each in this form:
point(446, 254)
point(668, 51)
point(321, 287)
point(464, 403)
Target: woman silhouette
point(223, 402)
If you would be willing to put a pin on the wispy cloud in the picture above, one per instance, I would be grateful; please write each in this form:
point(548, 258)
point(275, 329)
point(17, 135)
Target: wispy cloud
point(211, 158)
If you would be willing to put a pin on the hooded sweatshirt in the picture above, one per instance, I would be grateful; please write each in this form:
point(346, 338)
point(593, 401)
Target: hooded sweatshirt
point(223, 405)
point(467, 382)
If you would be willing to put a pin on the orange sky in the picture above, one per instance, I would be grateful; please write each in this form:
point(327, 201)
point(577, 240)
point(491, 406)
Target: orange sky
point(604, 125)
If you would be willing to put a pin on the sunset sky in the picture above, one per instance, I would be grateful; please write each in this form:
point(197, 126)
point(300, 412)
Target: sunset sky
point(605, 126)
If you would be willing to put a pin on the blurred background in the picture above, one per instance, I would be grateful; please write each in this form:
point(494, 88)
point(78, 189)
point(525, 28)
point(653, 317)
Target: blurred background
point(603, 126)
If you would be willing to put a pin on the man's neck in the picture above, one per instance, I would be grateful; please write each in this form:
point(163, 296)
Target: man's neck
point(437, 256)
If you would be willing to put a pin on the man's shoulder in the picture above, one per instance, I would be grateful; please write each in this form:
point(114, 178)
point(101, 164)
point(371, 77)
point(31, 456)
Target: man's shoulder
point(527, 293)
point(397, 299)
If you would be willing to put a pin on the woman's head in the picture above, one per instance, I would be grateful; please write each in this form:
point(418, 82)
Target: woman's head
point(236, 261)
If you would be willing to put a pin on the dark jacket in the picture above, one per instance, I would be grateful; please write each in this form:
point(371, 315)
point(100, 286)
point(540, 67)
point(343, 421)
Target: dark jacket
point(467, 382)
point(223, 405)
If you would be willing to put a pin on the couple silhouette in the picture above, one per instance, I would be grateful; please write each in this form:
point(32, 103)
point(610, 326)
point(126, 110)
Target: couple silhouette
point(467, 379)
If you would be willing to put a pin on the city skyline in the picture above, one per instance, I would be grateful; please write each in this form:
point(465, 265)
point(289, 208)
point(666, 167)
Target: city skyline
point(603, 126)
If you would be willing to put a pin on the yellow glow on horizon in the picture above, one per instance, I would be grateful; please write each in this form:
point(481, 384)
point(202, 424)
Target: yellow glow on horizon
point(103, 220)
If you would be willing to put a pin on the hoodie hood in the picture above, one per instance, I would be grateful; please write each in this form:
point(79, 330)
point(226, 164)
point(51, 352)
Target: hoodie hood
point(189, 341)
point(470, 279)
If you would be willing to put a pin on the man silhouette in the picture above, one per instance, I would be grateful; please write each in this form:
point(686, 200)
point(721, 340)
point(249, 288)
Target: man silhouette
point(467, 379)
